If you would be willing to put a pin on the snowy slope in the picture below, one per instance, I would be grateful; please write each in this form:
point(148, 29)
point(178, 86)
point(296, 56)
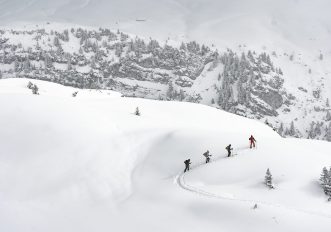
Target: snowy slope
point(295, 33)
point(88, 163)
point(246, 83)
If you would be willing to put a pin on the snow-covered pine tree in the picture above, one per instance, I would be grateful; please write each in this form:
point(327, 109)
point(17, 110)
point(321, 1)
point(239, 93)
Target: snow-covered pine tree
point(268, 179)
point(311, 133)
point(181, 95)
point(66, 35)
point(325, 181)
point(281, 129)
point(318, 129)
point(17, 65)
point(183, 46)
point(137, 112)
point(171, 92)
point(69, 66)
point(328, 186)
point(324, 177)
point(56, 41)
point(35, 89)
point(48, 61)
point(328, 116)
point(26, 65)
point(30, 85)
point(328, 133)
point(327, 103)
point(291, 131)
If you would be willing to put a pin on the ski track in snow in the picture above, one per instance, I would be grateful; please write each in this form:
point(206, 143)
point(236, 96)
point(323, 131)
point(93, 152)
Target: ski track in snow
point(180, 181)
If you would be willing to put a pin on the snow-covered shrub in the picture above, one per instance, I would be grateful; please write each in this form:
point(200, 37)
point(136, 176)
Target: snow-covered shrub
point(137, 112)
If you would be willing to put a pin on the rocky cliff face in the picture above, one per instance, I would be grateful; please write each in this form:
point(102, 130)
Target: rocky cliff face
point(246, 83)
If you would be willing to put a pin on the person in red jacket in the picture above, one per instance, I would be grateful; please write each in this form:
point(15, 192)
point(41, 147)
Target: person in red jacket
point(252, 142)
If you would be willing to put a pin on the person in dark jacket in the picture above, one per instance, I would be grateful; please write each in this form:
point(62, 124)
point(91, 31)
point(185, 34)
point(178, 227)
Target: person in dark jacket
point(229, 149)
point(251, 142)
point(207, 155)
point(187, 165)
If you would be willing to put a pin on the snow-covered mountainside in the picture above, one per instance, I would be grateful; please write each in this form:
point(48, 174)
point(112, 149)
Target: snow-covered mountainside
point(279, 89)
point(264, 59)
point(81, 160)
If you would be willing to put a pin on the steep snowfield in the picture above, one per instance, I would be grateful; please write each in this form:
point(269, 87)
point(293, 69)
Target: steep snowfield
point(89, 164)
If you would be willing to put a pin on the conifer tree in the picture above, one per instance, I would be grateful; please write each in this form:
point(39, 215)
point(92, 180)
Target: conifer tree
point(171, 93)
point(281, 129)
point(181, 95)
point(328, 133)
point(137, 112)
point(26, 65)
point(311, 133)
point(268, 179)
point(324, 178)
point(69, 66)
point(35, 89)
point(328, 116)
point(292, 129)
point(325, 181)
point(30, 85)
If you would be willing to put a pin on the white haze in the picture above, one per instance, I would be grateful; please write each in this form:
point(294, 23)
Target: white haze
point(286, 23)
